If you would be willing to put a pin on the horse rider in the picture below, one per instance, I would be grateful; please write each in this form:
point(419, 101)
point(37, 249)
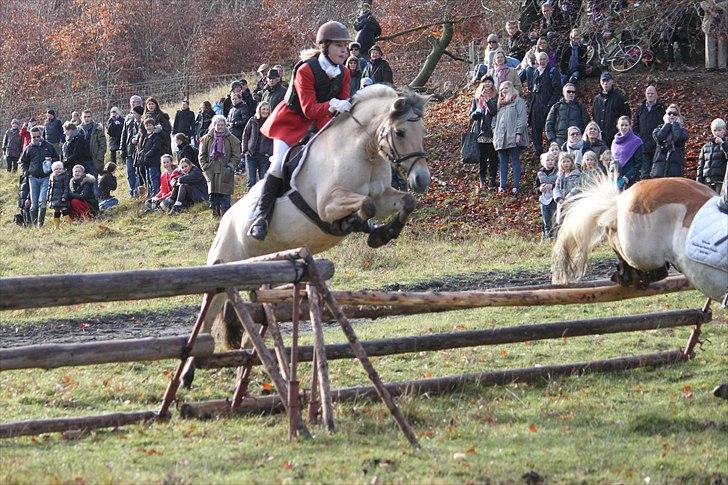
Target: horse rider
point(319, 88)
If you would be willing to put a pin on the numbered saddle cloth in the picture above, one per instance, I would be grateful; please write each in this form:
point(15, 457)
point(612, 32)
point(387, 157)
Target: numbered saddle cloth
point(707, 240)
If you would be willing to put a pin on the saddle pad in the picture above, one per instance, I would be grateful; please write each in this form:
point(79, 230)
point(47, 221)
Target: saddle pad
point(707, 241)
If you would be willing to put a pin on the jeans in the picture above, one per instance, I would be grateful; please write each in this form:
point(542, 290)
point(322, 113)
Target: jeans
point(38, 192)
point(547, 214)
point(153, 175)
point(512, 154)
point(108, 203)
point(570, 77)
point(257, 166)
point(131, 177)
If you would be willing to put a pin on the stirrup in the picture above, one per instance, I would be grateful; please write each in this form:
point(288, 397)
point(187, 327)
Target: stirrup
point(259, 229)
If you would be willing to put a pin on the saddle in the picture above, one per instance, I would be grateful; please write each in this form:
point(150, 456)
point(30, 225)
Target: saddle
point(707, 241)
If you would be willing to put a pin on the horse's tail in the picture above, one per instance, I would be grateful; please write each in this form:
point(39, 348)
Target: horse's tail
point(586, 216)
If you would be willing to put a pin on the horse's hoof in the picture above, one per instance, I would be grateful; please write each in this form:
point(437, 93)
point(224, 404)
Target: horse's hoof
point(375, 239)
point(721, 391)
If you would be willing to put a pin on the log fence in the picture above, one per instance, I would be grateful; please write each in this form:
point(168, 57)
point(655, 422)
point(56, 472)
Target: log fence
point(270, 305)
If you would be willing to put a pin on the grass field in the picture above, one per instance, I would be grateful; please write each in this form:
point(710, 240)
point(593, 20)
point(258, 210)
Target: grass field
point(643, 426)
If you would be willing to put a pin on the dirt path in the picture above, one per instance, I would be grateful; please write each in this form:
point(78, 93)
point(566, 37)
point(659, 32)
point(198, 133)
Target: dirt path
point(180, 320)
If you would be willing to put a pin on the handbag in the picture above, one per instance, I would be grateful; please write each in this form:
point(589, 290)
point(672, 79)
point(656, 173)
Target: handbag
point(469, 150)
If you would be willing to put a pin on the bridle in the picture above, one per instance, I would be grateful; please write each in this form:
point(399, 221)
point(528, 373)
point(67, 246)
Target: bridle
point(392, 154)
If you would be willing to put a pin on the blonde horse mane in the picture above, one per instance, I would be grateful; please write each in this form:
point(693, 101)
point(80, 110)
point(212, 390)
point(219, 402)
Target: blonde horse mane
point(587, 216)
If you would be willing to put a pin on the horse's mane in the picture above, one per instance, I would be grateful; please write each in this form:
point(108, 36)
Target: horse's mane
point(412, 100)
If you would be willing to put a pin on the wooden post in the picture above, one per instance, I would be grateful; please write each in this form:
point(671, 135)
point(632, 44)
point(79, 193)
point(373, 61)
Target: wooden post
point(293, 388)
point(314, 405)
point(322, 363)
point(356, 346)
point(241, 390)
point(173, 386)
point(278, 344)
point(265, 357)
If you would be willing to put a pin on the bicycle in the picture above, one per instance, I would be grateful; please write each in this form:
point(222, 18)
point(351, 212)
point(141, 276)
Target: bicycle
point(618, 55)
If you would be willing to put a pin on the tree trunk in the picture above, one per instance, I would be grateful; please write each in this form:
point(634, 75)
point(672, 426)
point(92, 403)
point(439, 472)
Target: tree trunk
point(438, 49)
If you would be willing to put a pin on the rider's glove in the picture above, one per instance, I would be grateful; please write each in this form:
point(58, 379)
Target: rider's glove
point(339, 105)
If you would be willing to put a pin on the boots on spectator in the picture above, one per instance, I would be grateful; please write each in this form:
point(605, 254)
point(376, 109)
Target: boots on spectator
point(33, 217)
point(41, 217)
point(264, 208)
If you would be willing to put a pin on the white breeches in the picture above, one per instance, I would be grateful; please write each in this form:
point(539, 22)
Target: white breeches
point(276, 160)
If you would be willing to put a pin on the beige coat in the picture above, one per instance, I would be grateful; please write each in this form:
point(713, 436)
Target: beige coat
point(220, 172)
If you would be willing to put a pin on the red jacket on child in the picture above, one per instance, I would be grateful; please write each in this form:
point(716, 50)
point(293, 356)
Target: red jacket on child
point(165, 184)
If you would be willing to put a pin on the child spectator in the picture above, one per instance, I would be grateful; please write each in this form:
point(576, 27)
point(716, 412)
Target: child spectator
point(590, 170)
point(713, 157)
point(574, 144)
point(163, 197)
point(544, 186)
point(190, 187)
point(568, 182)
point(257, 148)
point(113, 129)
point(554, 149)
point(58, 194)
point(217, 108)
point(107, 184)
point(185, 150)
point(592, 157)
point(12, 146)
point(150, 153)
point(605, 160)
point(84, 204)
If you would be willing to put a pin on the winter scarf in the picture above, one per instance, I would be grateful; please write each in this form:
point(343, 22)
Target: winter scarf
point(624, 146)
point(576, 150)
point(217, 147)
point(501, 74)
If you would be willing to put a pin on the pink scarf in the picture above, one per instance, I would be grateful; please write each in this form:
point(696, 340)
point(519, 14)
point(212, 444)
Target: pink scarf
point(501, 74)
point(218, 145)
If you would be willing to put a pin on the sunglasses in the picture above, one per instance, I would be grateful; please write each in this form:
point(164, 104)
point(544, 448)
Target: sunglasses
point(672, 114)
point(570, 92)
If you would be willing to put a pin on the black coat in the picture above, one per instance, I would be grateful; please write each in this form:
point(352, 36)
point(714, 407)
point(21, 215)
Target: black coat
point(189, 152)
point(237, 119)
point(254, 142)
point(273, 95)
point(545, 93)
point(379, 71)
point(83, 189)
point(565, 56)
point(644, 123)
point(114, 127)
point(712, 162)
point(33, 156)
point(53, 131)
point(607, 108)
point(13, 143)
point(597, 147)
point(196, 181)
point(128, 131)
point(518, 44)
point(202, 123)
point(563, 115)
point(184, 122)
point(58, 191)
point(368, 29)
point(150, 154)
point(162, 119)
point(75, 151)
point(484, 121)
point(669, 158)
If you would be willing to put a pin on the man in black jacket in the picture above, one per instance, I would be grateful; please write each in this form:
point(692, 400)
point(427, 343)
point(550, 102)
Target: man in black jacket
point(53, 130)
point(608, 106)
point(274, 92)
point(367, 28)
point(567, 112)
point(238, 116)
point(36, 162)
point(184, 120)
point(572, 59)
point(648, 117)
point(545, 93)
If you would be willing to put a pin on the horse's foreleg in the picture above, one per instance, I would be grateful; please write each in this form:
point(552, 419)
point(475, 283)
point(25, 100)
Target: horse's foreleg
point(390, 201)
point(347, 210)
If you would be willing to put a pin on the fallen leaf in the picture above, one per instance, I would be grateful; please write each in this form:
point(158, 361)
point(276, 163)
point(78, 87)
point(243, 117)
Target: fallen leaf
point(503, 353)
point(471, 450)
point(532, 428)
point(288, 465)
point(427, 374)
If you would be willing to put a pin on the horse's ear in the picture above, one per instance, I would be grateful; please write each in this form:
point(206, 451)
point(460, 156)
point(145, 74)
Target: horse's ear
point(400, 106)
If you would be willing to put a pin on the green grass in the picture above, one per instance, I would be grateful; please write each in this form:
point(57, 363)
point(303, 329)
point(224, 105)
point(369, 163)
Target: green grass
point(657, 423)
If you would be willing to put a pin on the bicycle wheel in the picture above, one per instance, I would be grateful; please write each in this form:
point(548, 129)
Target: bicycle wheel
point(627, 58)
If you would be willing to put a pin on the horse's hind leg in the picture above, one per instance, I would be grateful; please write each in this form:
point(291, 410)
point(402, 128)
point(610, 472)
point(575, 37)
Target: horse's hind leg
point(390, 201)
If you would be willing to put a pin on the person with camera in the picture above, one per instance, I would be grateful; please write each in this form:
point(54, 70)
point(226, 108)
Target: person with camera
point(37, 162)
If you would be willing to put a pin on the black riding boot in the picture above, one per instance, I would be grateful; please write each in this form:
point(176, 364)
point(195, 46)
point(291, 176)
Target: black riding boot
point(264, 208)
point(41, 217)
point(33, 217)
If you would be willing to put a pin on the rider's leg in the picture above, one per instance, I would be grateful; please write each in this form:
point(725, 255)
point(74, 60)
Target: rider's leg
point(271, 187)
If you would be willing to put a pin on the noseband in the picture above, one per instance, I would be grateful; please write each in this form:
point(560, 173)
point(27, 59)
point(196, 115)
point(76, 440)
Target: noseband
point(392, 153)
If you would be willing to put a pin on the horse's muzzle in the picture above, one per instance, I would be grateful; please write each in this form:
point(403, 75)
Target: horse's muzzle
point(419, 178)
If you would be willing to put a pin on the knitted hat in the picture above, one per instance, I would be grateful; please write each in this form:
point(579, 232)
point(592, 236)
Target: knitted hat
point(138, 110)
point(51, 112)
